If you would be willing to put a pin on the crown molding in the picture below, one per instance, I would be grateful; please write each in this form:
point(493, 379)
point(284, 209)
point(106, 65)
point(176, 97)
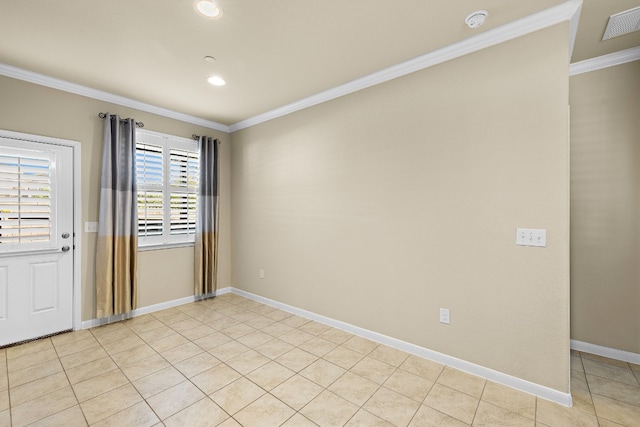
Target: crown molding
point(605, 61)
point(568, 11)
point(43, 80)
point(574, 20)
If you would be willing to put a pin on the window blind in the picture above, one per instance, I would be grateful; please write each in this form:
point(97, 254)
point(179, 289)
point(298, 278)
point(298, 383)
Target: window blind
point(25, 199)
point(150, 181)
point(183, 180)
point(167, 173)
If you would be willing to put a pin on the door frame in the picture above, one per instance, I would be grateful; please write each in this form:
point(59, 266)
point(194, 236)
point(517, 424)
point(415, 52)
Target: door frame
point(77, 212)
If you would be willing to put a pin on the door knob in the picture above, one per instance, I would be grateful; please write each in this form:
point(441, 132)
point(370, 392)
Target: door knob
point(65, 235)
point(65, 249)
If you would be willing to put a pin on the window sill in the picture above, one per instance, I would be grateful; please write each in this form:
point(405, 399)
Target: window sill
point(160, 246)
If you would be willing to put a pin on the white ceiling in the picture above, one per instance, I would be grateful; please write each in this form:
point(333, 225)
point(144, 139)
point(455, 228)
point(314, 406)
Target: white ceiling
point(271, 53)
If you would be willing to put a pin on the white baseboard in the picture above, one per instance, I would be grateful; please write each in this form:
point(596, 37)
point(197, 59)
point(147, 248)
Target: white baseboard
point(599, 350)
point(151, 308)
point(481, 371)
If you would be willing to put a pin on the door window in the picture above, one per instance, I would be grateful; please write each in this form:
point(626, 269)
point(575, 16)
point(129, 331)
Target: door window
point(27, 207)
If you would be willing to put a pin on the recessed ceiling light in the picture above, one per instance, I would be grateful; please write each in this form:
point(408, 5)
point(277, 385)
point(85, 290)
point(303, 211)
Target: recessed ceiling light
point(208, 8)
point(216, 81)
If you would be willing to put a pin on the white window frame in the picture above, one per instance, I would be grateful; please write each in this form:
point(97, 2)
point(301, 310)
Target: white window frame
point(167, 142)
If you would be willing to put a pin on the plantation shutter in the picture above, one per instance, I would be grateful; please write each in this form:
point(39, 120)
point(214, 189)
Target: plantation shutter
point(167, 181)
point(27, 215)
point(183, 182)
point(25, 199)
point(150, 181)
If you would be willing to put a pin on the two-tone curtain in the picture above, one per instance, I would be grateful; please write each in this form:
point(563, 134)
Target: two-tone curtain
point(206, 246)
point(117, 250)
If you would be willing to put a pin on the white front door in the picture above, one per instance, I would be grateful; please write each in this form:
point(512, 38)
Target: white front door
point(36, 239)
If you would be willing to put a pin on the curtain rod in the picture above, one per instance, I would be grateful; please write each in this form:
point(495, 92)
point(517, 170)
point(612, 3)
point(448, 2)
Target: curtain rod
point(138, 124)
point(141, 125)
point(197, 137)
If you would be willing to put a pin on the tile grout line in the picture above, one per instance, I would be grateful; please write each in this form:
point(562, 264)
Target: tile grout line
point(479, 401)
point(382, 385)
point(591, 394)
point(535, 410)
point(6, 366)
point(267, 392)
point(361, 407)
point(224, 362)
point(168, 325)
point(248, 308)
point(118, 367)
point(206, 396)
point(589, 390)
point(608, 379)
point(144, 399)
point(436, 382)
point(27, 367)
point(611, 380)
point(69, 381)
point(298, 373)
point(426, 395)
point(397, 368)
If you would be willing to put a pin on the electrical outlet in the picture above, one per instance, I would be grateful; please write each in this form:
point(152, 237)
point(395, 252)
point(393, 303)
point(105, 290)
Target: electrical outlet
point(90, 227)
point(444, 316)
point(262, 273)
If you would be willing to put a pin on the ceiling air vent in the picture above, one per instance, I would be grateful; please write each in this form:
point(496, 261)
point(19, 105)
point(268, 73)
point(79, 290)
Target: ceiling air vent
point(622, 23)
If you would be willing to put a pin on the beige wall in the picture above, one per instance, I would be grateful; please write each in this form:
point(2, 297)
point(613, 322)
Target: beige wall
point(29, 108)
point(380, 207)
point(605, 207)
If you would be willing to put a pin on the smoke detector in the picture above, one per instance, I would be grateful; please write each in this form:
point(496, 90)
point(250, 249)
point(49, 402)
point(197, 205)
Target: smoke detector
point(476, 18)
point(622, 23)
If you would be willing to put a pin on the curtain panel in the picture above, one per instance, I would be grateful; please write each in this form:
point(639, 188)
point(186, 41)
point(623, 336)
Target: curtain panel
point(117, 247)
point(206, 246)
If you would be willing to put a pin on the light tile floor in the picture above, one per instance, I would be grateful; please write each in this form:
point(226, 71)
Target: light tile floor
point(230, 361)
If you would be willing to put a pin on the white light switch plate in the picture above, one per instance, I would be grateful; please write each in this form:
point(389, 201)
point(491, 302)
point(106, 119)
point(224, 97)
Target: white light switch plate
point(444, 316)
point(531, 237)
